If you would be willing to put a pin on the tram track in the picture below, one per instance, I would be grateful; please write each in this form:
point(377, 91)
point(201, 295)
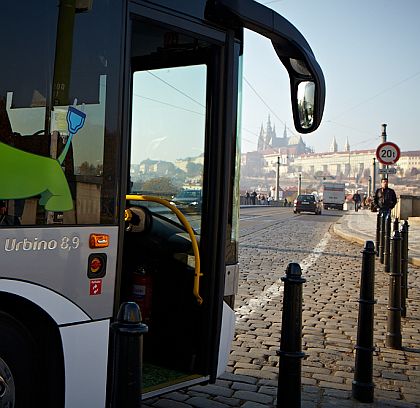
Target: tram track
point(255, 220)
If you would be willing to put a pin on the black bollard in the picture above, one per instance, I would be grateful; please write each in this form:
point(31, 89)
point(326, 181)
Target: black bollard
point(404, 268)
point(382, 238)
point(362, 386)
point(393, 335)
point(378, 232)
point(127, 360)
point(290, 364)
point(387, 246)
point(396, 224)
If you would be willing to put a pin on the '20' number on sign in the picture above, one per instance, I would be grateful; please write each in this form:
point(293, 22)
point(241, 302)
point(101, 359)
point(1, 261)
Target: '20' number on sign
point(388, 153)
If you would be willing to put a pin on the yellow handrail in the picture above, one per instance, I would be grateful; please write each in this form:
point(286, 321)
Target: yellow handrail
point(186, 224)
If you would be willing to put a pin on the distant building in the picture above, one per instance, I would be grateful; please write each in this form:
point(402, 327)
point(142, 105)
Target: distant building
point(157, 167)
point(409, 163)
point(356, 164)
point(252, 164)
point(184, 163)
point(292, 156)
point(271, 150)
point(268, 141)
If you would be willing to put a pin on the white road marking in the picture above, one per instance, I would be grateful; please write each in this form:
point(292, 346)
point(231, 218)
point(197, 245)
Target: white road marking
point(276, 288)
point(251, 217)
point(316, 253)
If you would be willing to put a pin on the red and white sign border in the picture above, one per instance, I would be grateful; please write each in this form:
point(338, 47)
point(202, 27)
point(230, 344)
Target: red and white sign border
point(388, 144)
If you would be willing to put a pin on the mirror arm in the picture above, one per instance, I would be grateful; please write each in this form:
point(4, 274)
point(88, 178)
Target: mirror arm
point(261, 19)
point(287, 41)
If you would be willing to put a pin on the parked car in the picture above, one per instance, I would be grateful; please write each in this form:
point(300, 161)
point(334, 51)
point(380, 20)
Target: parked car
point(188, 198)
point(307, 203)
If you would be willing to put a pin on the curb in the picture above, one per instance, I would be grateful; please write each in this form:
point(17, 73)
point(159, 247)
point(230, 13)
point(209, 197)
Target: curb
point(348, 236)
point(414, 261)
point(353, 238)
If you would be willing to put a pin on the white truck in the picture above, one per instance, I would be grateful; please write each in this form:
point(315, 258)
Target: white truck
point(333, 195)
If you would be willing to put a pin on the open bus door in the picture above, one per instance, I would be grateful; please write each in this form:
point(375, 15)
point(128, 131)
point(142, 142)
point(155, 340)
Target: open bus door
point(179, 106)
point(182, 86)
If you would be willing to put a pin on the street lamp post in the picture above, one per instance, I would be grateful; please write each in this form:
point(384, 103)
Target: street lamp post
point(278, 178)
point(299, 184)
point(373, 177)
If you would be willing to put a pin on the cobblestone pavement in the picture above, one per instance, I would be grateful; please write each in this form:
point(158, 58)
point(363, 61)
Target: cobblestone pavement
point(330, 310)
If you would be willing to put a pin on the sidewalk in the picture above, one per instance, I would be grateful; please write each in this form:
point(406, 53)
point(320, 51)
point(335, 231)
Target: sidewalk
point(361, 227)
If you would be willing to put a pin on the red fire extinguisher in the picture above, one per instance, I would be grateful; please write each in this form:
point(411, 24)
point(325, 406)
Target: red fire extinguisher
point(141, 291)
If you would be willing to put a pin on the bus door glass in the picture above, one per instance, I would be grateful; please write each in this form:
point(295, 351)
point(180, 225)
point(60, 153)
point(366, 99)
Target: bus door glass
point(168, 132)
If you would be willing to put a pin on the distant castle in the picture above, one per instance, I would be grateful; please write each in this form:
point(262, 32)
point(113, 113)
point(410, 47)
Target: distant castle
point(290, 157)
point(268, 140)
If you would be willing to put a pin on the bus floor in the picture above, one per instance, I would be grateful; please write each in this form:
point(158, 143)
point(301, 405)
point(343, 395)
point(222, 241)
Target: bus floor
point(157, 377)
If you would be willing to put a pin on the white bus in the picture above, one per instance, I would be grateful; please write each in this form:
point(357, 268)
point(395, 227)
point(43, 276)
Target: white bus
point(99, 99)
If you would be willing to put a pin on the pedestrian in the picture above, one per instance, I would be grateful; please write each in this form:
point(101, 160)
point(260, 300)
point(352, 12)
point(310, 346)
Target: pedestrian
point(371, 205)
point(364, 202)
point(253, 197)
point(285, 201)
point(385, 198)
point(357, 200)
point(247, 197)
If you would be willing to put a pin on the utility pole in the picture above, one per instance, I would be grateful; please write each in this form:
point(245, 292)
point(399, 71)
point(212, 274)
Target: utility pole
point(300, 184)
point(278, 178)
point(383, 137)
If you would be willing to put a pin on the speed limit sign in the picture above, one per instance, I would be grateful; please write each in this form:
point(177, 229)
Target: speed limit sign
point(388, 153)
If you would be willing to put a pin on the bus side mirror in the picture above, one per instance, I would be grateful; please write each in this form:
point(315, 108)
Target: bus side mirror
point(307, 86)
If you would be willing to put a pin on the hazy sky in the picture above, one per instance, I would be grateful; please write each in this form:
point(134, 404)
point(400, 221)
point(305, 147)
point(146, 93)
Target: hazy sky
point(174, 101)
point(369, 51)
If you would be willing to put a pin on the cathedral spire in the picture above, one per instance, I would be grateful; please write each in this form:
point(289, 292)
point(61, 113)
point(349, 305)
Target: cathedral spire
point(333, 146)
point(261, 141)
point(347, 145)
point(268, 134)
